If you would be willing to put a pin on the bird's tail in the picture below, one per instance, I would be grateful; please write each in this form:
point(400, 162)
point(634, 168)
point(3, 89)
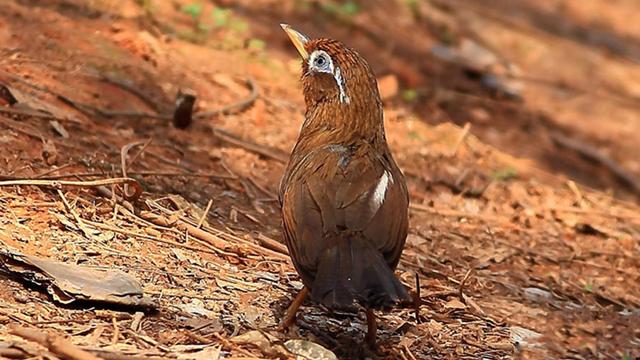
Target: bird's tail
point(354, 270)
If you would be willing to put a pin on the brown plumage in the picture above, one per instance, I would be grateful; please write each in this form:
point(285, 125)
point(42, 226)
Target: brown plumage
point(344, 200)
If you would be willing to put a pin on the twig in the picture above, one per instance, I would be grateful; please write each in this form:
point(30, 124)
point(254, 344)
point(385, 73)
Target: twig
point(577, 193)
point(167, 161)
point(272, 244)
point(236, 106)
point(205, 213)
point(107, 355)
point(123, 160)
point(199, 338)
point(31, 113)
point(45, 175)
point(591, 153)
point(227, 344)
point(183, 293)
point(267, 152)
point(22, 129)
point(608, 214)
point(417, 300)
point(56, 184)
point(52, 170)
point(128, 86)
point(75, 215)
point(140, 152)
point(204, 235)
point(462, 283)
point(186, 224)
point(183, 226)
point(116, 331)
point(175, 173)
point(260, 187)
point(408, 351)
point(461, 138)
point(453, 213)
point(56, 344)
point(154, 238)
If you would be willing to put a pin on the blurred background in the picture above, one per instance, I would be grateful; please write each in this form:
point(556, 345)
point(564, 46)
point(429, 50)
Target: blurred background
point(557, 82)
point(516, 123)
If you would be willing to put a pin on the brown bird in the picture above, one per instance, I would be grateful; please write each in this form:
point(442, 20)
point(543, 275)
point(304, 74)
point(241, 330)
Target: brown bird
point(344, 200)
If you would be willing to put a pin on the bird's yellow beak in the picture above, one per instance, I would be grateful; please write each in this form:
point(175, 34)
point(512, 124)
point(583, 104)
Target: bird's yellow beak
point(298, 39)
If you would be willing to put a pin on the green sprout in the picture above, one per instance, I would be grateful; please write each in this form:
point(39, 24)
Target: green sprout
point(350, 8)
point(256, 44)
point(504, 174)
point(345, 9)
point(220, 16)
point(194, 10)
point(409, 95)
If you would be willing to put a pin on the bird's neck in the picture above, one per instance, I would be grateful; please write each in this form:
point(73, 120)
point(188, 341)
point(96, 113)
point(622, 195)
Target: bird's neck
point(334, 122)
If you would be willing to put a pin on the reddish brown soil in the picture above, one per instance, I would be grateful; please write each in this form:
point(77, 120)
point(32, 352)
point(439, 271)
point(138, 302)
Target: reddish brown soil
point(524, 249)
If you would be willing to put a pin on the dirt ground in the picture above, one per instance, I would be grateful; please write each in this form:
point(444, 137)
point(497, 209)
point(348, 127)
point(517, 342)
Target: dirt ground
point(525, 221)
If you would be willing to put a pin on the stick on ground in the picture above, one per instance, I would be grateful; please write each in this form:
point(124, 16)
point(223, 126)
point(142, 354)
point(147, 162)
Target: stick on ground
point(56, 344)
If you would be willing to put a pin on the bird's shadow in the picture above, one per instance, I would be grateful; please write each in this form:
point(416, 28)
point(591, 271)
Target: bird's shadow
point(342, 332)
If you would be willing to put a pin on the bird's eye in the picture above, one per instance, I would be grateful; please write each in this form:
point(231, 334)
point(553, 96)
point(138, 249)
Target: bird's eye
point(320, 61)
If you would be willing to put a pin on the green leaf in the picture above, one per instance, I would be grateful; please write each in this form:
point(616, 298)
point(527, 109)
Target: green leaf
point(329, 8)
point(203, 27)
point(588, 287)
point(349, 8)
point(193, 9)
point(239, 26)
point(256, 44)
point(220, 16)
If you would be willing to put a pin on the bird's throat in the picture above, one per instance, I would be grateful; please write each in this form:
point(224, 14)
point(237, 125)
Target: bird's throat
point(342, 123)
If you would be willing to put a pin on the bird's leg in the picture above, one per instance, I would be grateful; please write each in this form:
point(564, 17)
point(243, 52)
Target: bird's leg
point(290, 316)
point(370, 338)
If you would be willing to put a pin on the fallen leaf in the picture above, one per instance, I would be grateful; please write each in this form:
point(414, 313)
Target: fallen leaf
point(434, 326)
point(524, 337)
point(55, 124)
point(472, 303)
point(196, 307)
point(210, 353)
point(455, 304)
point(68, 282)
point(268, 344)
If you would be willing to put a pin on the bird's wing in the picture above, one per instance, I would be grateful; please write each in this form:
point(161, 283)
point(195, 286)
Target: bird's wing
point(333, 194)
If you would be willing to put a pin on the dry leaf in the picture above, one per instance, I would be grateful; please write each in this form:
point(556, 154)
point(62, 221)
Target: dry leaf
point(209, 353)
point(68, 283)
point(268, 344)
point(307, 350)
point(455, 304)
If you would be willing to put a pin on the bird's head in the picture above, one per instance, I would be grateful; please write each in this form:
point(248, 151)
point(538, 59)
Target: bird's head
point(334, 75)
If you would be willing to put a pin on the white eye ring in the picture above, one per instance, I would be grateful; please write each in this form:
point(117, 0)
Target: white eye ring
point(320, 61)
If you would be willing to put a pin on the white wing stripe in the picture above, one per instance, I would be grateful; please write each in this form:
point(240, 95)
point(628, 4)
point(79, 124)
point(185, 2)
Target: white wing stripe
point(381, 190)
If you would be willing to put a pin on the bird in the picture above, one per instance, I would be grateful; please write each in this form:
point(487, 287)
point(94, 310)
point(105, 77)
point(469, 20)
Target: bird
point(343, 199)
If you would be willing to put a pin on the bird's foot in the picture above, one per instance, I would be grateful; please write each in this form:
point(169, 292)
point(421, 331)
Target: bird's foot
point(290, 316)
point(288, 321)
point(370, 338)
